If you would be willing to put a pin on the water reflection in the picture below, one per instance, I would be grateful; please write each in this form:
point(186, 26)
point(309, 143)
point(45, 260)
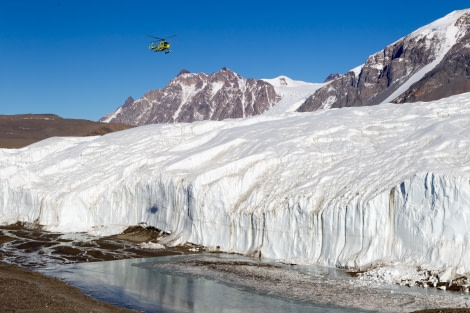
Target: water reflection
point(137, 284)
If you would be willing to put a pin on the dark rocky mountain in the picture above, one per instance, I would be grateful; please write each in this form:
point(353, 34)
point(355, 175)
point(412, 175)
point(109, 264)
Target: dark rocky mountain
point(332, 77)
point(17, 131)
point(449, 77)
point(191, 97)
point(428, 64)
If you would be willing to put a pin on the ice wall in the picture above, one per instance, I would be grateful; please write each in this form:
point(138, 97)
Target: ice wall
point(423, 220)
point(340, 187)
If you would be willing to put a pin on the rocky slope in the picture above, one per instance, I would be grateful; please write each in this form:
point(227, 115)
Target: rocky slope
point(191, 97)
point(428, 64)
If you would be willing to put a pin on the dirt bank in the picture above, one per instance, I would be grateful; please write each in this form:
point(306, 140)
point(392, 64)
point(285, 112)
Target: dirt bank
point(22, 290)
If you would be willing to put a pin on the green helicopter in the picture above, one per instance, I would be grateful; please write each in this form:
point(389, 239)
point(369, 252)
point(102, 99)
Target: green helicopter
point(160, 44)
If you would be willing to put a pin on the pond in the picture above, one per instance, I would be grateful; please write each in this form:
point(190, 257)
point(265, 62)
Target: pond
point(156, 285)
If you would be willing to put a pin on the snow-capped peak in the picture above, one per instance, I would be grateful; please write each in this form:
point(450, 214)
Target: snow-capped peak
point(446, 26)
point(425, 65)
point(440, 36)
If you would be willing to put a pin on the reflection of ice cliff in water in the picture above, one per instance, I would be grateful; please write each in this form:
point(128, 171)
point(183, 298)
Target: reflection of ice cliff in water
point(314, 284)
point(132, 284)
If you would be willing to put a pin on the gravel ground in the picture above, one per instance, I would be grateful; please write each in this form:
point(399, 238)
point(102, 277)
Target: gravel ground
point(27, 291)
point(22, 290)
point(445, 311)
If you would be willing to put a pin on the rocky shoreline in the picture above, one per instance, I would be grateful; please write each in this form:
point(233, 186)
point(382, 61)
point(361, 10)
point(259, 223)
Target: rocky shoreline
point(24, 250)
point(22, 289)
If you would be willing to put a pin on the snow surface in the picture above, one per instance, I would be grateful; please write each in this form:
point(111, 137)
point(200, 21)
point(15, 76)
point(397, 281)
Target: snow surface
point(343, 187)
point(293, 93)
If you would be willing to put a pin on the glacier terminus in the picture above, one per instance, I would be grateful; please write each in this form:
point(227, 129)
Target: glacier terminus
point(342, 187)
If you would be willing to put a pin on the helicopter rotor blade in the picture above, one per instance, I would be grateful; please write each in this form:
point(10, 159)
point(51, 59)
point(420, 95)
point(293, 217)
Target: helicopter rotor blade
point(158, 38)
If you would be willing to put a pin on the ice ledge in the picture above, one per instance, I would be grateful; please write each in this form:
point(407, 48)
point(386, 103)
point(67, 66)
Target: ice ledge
point(424, 220)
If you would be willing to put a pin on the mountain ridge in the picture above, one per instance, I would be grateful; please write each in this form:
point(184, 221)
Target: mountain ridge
point(191, 97)
point(416, 67)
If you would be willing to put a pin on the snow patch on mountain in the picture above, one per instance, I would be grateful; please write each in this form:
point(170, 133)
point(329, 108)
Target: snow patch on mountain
point(357, 70)
point(292, 92)
point(111, 116)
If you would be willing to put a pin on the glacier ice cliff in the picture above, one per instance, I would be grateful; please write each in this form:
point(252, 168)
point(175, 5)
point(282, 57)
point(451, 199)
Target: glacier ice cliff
point(343, 187)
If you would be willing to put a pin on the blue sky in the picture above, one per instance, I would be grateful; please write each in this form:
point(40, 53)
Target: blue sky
point(83, 58)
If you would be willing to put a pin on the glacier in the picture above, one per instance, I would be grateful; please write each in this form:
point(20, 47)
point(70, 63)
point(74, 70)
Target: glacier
point(341, 187)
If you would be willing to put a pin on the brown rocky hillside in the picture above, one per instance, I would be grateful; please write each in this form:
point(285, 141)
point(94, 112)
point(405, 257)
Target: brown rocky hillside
point(17, 131)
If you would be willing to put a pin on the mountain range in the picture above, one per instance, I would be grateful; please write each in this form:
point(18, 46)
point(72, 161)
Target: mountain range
point(193, 97)
point(428, 64)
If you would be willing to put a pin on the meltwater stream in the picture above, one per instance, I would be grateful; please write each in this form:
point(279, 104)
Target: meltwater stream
point(229, 283)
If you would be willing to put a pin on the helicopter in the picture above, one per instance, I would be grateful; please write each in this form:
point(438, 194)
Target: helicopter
point(160, 44)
